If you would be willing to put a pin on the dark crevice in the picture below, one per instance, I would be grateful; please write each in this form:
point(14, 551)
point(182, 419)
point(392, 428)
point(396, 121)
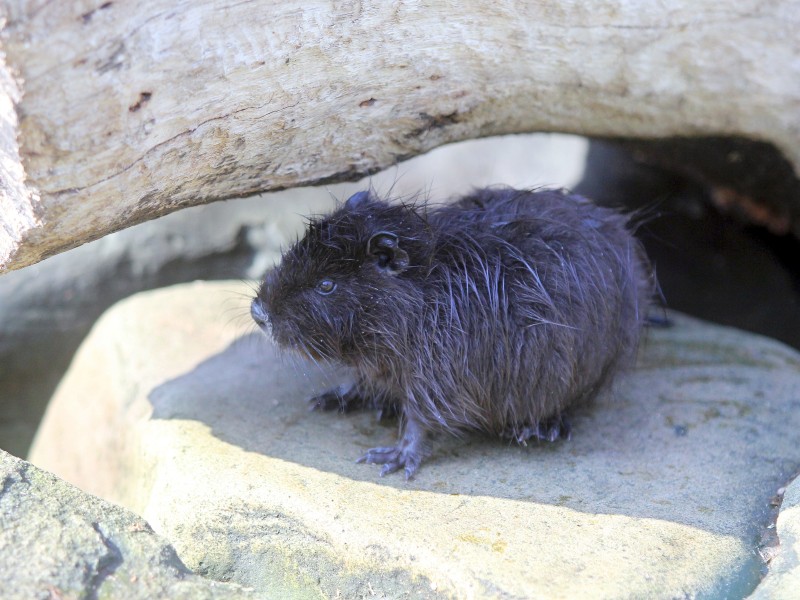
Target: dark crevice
point(8, 482)
point(107, 565)
point(747, 179)
point(715, 264)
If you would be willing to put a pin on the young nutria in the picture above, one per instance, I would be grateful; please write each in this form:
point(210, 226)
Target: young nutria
point(494, 313)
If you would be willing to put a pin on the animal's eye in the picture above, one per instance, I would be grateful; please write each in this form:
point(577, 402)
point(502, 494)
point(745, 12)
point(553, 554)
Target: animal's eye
point(383, 260)
point(325, 287)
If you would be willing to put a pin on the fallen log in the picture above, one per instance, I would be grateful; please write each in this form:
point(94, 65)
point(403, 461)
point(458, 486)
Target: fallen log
point(115, 112)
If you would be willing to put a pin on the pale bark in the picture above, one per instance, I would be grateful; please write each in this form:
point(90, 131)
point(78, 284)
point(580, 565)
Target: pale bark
point(130, 110)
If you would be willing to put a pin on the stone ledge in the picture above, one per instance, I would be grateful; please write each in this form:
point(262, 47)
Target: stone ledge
point(662, 491)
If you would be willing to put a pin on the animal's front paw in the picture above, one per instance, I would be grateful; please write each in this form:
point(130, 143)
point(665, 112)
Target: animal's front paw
point(348, 398)
point(344, 399)
point(393, 459)
point(409, 453)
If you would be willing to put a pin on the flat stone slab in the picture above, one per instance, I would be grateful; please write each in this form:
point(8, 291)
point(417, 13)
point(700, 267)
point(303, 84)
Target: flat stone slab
point(662, 492)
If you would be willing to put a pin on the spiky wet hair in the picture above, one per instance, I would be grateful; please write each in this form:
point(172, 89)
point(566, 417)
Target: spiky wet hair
point(493, 313)
point(347, 231)
point(361, 247)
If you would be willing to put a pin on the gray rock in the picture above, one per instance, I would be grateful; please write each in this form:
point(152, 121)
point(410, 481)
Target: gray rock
point(662, 492)
point(58, 542)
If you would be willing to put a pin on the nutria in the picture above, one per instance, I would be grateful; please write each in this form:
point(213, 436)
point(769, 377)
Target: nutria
point(495, 313)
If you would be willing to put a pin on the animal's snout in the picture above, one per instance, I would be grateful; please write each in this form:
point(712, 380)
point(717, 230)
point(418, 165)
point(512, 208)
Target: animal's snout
point(259, 314)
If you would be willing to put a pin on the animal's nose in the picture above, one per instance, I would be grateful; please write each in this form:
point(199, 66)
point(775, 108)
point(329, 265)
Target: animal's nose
point(259, 313)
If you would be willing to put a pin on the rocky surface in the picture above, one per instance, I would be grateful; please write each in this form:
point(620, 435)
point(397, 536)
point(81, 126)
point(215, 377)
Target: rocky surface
point(663, 491)
point(57, 542)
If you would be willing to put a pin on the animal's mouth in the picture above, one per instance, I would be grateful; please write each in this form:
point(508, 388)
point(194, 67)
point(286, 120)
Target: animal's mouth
point(283, 334)
point(303, 348)
point(300, 349)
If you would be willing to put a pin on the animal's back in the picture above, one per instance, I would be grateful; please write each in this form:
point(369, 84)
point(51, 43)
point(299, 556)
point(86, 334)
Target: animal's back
point(535, 299)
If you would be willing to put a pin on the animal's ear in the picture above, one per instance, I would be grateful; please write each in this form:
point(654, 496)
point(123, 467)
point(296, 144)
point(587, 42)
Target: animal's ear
point(356, 200)
point(384, 248)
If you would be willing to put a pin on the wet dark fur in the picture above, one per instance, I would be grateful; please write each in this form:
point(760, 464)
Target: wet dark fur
point(495, 313)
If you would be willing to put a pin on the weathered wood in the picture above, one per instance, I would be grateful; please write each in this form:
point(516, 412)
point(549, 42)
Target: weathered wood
point(129, 110)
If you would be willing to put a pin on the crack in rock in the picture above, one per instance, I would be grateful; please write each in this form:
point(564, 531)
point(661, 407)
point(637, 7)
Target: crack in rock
point(107, 564)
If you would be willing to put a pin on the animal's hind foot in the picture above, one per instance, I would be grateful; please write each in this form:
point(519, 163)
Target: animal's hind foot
point(393, 459)
point(546, 430)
